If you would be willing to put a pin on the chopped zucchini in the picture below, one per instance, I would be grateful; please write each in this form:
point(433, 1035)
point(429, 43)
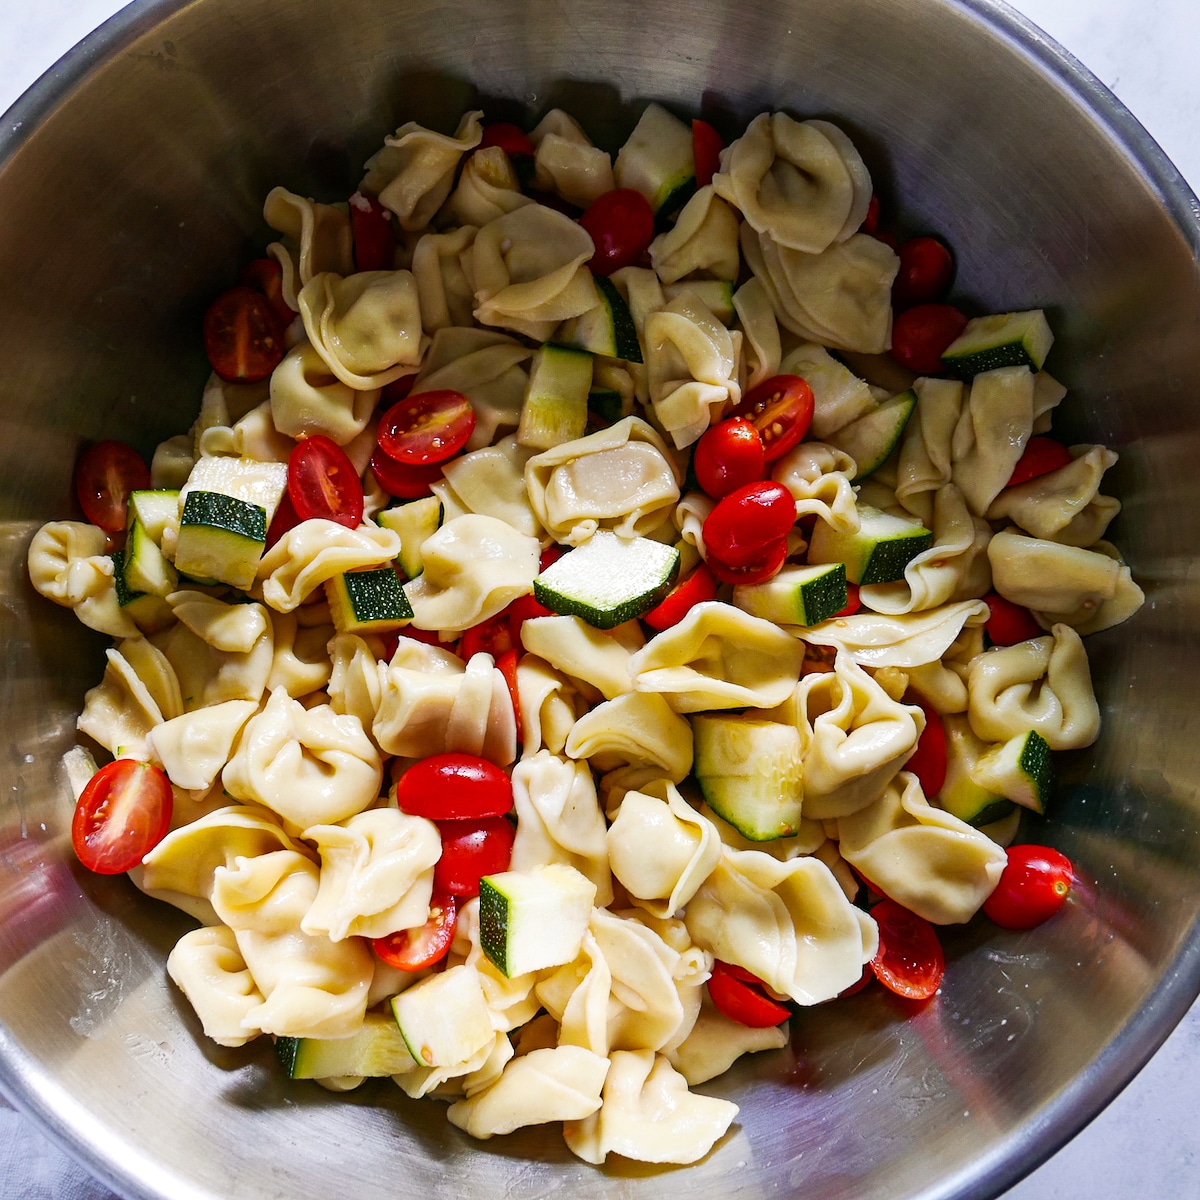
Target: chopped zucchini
point(796, 595)
point(221, 538)
point(878, 553)
point(961, 796)
point(750, 773)
point(145, 569)
point(556, 399)
point(260, 483)
point(377, 1049)
point(715, 294)
point(414, 522)
point(155, 510)
point(657, 161)
point(609, 579)
point(872, 438)
point(529, 920)
point(371, 600)
point(444, 1019)
point(606, 406)
point(1021, 339)
point(1021, 769)
point(148, 612)
point(607, 328)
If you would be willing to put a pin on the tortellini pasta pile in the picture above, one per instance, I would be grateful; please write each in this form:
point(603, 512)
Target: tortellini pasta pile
point(283, 737)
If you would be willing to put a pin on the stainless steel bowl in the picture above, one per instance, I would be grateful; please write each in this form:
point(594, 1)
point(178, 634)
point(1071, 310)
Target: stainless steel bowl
point(131, 181)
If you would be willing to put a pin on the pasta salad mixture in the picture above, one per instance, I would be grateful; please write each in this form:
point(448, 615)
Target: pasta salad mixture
point(600, 606)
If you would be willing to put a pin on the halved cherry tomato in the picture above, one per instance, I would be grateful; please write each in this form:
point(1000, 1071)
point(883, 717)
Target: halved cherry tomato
point(928, 762)
point(266, 275)
point(910, 960)
point(926, 271)
point(493, 636)
point(728, 456)
point(853, 603)
point(707, 145)
point(415, 949)
point(621, 224)
point(855, 988)
point(1032, 888)
point(506, 664)
point(427, 428)
point(766, 566)
point(470, 850)
point(404, 480)
point(738, 995)
point(699, 586)
point(522, 609)
point(1009, 623)
point(286, 518)
point(920, 336)
point(746, 521)
point(104, 476)
point(243, 337)
point(550, 556)
point(781, 409)
point(374, 236)
point(122, 814)
point(323, 483)
point(454, 787)
point(512, 139)
point(427, 637)
point(871, 220)
point(1042, 455)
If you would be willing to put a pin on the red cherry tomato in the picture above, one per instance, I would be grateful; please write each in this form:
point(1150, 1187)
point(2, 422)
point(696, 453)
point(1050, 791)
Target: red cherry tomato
point(493, 636)
point(707, 145)
point(122, 814)
point(550, 556)
point(766, 566)
point(1042, 455)
point(266, 275)
point(323, 483)
point(286, 518)
point(404, 480)
point(1032, 888)
point(871, 220)
point(928, 761)
point(374, 239)
point(506, 664)
point(1009, 623)
point(243, 337)
point(427, 637)
point(621, 224)
point(104, 476)
point(853, 603)
point(415, 949)
point(739, 996)
point(427, 428)
point(522, 609)
point(855, 988)
point(910, 960)
point(513, 140)
point(926, 272)
point(746, 521)
point(781, 409)
point(920, 336)
point(470, 850)
point(454, 787)
point(728, 456)
point(699, 586)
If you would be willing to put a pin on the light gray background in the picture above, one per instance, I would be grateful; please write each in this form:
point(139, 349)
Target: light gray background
point(1147, 1143)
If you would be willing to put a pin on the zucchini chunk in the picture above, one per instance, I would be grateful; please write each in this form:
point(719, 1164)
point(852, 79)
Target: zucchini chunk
point(797, 595)
point(147, 611)
point(657, 161)
point(414, 522)
point(608, 580)
point(1021, 339)
point(371, 600)
point(607, 328)
point(871, 439)
point(878, 553)
point(556, 400)
point(444, 1019)
point(377, 1049)
point(715, 294)
point(146, 570)
point(961, 795)
point(221, 537)
point(155, 510)
point(1022, 770)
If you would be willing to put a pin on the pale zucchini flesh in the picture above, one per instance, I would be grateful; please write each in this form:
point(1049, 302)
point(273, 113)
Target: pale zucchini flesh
point(221, 537)
point(155, 509)
point(414, 522)
point(146, 569)
point(377, 1049)
point(607, 328)
point(1021, 770)
point(1021, 339)
point(796, 595)
point(877, 553)
point(657, 160)
point(555, 409)
point(368, 601)
point(444, 1019)
point(872, 438)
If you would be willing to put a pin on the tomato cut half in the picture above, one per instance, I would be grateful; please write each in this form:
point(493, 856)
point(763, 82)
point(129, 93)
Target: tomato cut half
point(266, 275)
point(738, 995)
point(506, 664)
point(746, 521)
point(871, 220)
point(323, 483)
point(909, 961)
point(374, 234)
point(1041, 456)
point(122, 814)
point(416, 949)
point(928, 761)
point(243, 337)
point(454, 787)
point(104, 476)
point(427, 428)
point(403, 480)
point(512, 139)
point(621, 225)
point(493, 636)
point(921, 335)
point(1034, 885)
point(1009, 623)
point(768, 564)
point(286, 519)
point(781, 409)
point(470, 850)
point(728, 456)
point(707, 145)
point(522, 609)
point(699, 586)
point(926, 272)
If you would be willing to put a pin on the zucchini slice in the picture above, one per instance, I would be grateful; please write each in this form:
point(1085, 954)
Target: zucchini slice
point(607, 328)
point(146, 611)
point(878, 553)
point(556, 400)
point(377, 1049)
point(872, 438)
point(444, 1019)
point(657, 161)
point(961, 795)
point(796, 595)
point(1021, 339)
point(155, 510)
point(221, 537)
point(608, 580)
point(414, 522)
point(1021, 770)
point(371, 600)
point(145, 568)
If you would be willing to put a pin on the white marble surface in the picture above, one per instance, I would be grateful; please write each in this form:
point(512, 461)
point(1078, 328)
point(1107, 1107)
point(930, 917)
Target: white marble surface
point(1146, 1145)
